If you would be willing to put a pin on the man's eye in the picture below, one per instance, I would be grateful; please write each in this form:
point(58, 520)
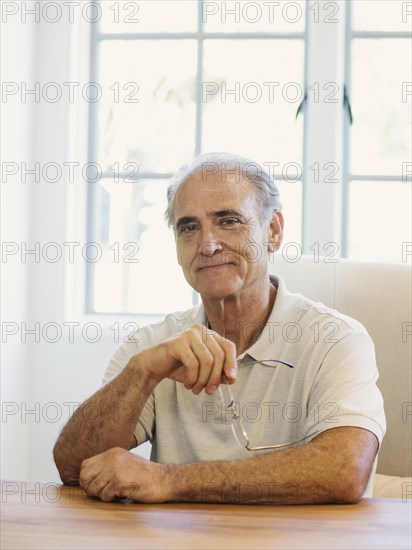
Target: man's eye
point(230, 221)
point(188, 229)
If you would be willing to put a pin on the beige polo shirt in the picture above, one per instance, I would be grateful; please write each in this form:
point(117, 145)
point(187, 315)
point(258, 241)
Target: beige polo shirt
point(332, 384)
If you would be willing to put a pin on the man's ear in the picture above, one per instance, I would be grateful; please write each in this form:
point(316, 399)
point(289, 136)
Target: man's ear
point(275, 231)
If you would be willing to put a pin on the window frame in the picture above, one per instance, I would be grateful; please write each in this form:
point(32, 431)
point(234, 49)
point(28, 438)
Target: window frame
point(325, 214)
point(200, 35)
point(350, 177)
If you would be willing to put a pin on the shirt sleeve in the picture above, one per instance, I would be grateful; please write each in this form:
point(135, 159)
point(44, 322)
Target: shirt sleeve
point(344, 391)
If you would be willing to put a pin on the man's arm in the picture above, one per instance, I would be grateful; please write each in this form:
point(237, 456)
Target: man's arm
point(189, 358)
point(334, 467)
point(107, 419)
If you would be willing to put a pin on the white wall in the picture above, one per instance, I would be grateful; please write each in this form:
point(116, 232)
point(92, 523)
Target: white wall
point(39, 376)
point(17, 142)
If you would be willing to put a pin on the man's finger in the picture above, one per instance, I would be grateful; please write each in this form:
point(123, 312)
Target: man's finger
point(95, 487)
point(108, 492)
point(215, 374)
point(206, 361)
point(230, 361)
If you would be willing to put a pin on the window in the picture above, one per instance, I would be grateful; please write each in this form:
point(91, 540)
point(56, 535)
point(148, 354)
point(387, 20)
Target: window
point(192, 76)
point(379, 75)
point(183, 78)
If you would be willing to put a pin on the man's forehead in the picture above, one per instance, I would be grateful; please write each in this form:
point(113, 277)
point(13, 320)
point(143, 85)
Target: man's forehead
point(213, 197)
point(221, 180)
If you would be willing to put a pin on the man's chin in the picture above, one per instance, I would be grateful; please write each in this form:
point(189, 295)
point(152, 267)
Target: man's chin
point(217, 291)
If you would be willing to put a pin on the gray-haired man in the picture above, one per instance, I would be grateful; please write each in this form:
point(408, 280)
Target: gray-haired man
point(225, 213)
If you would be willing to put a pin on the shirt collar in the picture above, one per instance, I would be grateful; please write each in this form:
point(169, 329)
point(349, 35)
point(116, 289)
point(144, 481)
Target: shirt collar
point(285, 312)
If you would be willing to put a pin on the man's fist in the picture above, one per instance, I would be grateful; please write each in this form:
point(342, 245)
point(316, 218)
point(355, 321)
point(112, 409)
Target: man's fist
point(198, 358)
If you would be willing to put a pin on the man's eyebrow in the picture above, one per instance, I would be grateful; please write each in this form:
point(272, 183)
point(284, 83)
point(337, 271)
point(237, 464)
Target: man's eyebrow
point(218, 214)
point(184, 220)
point(227, 212)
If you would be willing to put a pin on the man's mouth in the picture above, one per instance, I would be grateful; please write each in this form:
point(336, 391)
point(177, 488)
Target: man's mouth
point(214, 266)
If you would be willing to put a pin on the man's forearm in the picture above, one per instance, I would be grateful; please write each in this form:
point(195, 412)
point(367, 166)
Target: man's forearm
point(302, 475)
point(107, 419)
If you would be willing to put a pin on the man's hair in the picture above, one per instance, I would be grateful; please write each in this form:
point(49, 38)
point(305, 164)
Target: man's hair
point(267, 192)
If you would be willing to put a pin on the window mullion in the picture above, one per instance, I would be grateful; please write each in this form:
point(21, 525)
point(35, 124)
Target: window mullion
point(346, 135)
point(324, 123)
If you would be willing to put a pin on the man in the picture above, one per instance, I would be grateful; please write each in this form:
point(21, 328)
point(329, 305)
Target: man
point(166, 386)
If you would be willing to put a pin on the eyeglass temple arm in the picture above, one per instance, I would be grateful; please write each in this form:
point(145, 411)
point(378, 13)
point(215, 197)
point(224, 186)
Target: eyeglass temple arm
point(283, 362)
point(262, 362)
point(268, 361)
point(264, 447)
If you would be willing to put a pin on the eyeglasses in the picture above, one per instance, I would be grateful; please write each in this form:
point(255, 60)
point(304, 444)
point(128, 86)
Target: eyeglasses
point(236, 424)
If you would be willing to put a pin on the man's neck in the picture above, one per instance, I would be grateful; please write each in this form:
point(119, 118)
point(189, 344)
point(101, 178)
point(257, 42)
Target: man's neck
point(241, 320)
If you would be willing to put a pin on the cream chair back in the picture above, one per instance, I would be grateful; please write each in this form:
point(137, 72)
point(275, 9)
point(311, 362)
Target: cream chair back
point(379, 296)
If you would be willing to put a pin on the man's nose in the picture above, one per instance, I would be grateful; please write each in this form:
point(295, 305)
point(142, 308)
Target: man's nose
point(208, 248)
point(209, 243)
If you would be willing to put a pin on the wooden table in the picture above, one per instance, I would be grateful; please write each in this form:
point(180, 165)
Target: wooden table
point(38, 515)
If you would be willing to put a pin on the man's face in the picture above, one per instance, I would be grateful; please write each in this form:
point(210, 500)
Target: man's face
point(221, 239)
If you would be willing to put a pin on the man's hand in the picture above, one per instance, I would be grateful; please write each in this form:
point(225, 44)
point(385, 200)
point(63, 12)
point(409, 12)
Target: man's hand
point(117, 474)
point(198, 358)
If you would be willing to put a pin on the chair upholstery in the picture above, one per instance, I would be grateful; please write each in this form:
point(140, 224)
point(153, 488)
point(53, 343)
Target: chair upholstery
point(379, 296)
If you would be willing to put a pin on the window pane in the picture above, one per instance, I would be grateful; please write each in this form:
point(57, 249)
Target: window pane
point(138, 271)
point(381, 134)
point(147, 110)
point(381, 15)
point(149, 16)
point(380, 220)
point(146, 122)
point(249, 109)
point(276, 17)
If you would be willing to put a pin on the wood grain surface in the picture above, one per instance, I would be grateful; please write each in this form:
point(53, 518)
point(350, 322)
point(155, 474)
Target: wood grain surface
point(47, 515)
